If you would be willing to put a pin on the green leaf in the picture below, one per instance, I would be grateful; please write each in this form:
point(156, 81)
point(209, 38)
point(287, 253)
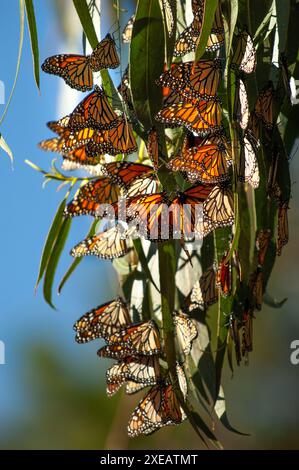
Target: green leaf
point(147, 61)
point(282, 18)
point(203, 426)
point(5, 147)
point(272, 302)
point(54, 259)
point(207, 22)
point(86, 21)
point(52, 235)
point(220, 410)
point(76, 261)
point(234, 9)
point(22, 8)
point(33, 39)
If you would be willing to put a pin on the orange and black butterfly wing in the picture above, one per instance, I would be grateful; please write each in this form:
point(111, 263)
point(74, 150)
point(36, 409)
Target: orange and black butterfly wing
point(93, 198)
point(104, 56)
point(74, 69)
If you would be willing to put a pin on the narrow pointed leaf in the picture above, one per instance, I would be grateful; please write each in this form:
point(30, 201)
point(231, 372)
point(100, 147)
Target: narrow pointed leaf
point(33, 39)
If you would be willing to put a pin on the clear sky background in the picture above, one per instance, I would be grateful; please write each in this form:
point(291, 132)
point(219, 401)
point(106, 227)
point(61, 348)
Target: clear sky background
point(263, 397)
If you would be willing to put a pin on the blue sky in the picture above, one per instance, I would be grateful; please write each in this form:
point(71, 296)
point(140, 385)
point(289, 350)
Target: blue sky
point(27, 211)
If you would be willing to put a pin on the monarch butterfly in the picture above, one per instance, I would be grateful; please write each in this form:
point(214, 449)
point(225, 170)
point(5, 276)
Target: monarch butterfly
point(282, 227)
point(141, 338)
point(153, 147)
point(257, 287)
point(125, 90)
point(193, 80)
point(201, 118)
point(218, 209)
point(160, 407)
point(249, 170)
point(262, 244)
point(235, 337)
point(76, 70)
point(185, 330)
point(206, 163)
point(94, 111)
point(127, 31)
point(110, 244)
point(94, 140)
point(223, 276)
point(254, 126)
point(102, 321)
point(241, 110)
point(273, 188)
point(170, 97)
point(264, 106)
point(133, 178)
point(188, 39)
point(244, 57)
point(247, 332)
point(205, 292)
point(91, 196)
point(168, 7)
point(161, 218)
point(131, 387)
point(121, 137)
point(142, 369)
point(51, 145)
point(80, 158)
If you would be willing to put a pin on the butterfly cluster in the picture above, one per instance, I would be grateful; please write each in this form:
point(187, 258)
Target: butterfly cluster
point(137, 348)
point(210, 164)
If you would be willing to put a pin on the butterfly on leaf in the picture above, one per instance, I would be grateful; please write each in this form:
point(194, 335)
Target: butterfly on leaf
point(159, 217)
point(244, 57)
point(193, 80)
point(257, 287)
point(135, 372)
point(201, 118)
point(102, 321)
point(141, 338)
point(125, 90)
point(247, 331)
point(127, 31)
point(264, 106)
point(159, 407)
point(189, 38)
point(133, 178)
point(185, 331)
point(168, 6)
point(262, 244)
point(92, 198)
point(282, 227)
point(207, 162)
point(94, 111)
point(204, 291)
point(76, 70)
point(234, 336)
point(218, 209)
point(241, 109)
point(153, 147)
point(248, 168)
point(224, 276)
point(109, 244)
